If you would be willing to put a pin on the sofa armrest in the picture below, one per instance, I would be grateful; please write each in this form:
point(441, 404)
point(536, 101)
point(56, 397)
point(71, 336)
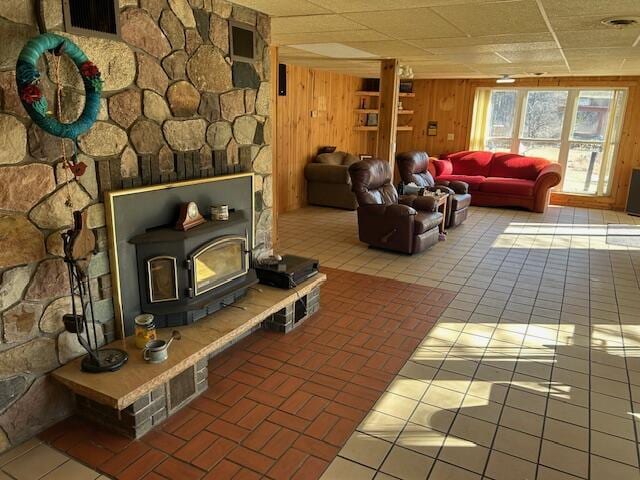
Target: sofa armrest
point(323, 173)
point(394, 210)
point(549, 177)
point(443, 167)
point(456, 186)
point(423, 203)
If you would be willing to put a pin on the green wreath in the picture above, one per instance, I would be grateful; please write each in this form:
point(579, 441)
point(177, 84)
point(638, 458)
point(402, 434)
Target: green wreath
point(28, 76)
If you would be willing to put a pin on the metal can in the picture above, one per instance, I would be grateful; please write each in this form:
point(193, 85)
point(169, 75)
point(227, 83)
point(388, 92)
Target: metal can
point(145, 330)
point(220, 212)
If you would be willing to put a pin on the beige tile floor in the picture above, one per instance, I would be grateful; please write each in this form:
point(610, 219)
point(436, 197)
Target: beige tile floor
point(34, 460)
point(533, 372)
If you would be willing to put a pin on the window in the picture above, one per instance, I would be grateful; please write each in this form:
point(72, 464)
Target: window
point(578, 128)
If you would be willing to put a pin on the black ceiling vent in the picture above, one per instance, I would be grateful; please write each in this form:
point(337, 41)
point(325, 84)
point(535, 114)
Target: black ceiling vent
point(243, 42)
point(99, 18)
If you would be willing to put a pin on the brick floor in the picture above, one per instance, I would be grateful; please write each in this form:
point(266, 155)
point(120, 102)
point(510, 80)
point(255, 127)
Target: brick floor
point(278, 406)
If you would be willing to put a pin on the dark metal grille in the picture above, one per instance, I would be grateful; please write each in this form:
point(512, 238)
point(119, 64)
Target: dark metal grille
point(243, 40)
point(181, 388)
point(92, 16)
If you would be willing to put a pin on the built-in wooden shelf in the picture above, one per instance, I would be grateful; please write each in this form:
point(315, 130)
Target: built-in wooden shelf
point(377, 94)
point(365, 128)
point(375, 110)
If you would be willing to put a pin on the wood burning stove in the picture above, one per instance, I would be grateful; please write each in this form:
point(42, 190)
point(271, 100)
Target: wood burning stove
point(184, 276)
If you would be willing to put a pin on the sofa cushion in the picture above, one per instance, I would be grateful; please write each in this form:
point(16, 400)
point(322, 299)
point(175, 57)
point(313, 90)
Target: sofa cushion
point(508, 186)
point(333, 158)
point(472, 163)
point(425, 221)
point(349, 160)
point(474, 181)
point(511, 165)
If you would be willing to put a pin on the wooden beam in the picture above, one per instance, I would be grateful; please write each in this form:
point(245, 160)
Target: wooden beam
point(388, 116)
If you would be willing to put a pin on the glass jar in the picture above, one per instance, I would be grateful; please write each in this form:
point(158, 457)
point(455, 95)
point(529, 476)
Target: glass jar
point(145, 329)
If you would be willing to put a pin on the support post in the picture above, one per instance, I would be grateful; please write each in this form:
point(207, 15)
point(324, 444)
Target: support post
point(388, 115)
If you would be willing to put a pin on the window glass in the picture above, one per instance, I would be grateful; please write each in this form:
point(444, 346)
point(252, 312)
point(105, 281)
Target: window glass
point(584, 164)
point(580, 129)
point(592, 115)
point(544, 114)
point(503, 106)
point(548, 150)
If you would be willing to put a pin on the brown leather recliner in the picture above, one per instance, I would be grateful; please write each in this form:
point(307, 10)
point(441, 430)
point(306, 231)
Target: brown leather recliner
point(409, 224)
point(414, 168)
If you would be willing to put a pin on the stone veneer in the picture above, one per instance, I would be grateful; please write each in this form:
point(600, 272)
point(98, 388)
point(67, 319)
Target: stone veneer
point(174, 107)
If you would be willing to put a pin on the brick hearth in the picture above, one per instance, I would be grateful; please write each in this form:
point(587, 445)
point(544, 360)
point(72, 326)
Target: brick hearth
point(278, 406)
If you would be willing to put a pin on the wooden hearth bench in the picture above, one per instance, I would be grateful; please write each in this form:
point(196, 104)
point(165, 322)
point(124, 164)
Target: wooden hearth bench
point(141, 395)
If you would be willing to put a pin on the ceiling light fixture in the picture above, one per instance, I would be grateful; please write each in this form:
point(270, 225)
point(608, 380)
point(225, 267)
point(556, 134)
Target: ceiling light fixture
point(405, 71)
point(506, 79)
point(619, 22)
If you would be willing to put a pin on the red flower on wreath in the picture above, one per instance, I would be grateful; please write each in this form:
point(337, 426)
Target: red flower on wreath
point(30, 94)
point(89, 70)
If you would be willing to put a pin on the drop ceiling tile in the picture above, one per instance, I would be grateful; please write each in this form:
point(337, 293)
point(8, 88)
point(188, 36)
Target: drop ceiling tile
point(476, 59)
point(391, 48)
point(407, 24)
point(522, 16)
point(313, 23)
point(283, 8)
point(578, 22)
point(325, 37)
point(613, 52)
point(428, 43)
point(598, 38)
point(499, 47)
point(605, 8)
point(549, 56)
point(350, 6)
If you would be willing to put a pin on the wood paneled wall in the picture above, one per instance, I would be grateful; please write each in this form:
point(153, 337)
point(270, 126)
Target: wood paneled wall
point(319, 109)
point(450, 103)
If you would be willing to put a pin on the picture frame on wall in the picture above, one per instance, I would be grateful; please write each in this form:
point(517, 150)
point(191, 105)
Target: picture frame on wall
point(365, 156)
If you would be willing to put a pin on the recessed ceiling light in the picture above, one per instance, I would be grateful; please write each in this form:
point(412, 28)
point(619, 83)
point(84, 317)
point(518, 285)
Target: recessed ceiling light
point(619, 22)
point(334, 50)
point(505, 79)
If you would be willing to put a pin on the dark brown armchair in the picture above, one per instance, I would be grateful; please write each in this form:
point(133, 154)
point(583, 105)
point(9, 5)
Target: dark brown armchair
point(414, 168)
point(408, 225)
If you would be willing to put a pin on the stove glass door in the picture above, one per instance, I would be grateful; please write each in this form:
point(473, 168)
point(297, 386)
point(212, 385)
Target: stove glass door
point(163, 283)
point(219, 262)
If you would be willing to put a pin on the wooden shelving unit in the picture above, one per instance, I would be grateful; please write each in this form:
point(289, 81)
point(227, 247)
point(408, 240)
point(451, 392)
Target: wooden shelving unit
point(362, 93)
point(375, 110)
point(371, 107)
point(365, 128)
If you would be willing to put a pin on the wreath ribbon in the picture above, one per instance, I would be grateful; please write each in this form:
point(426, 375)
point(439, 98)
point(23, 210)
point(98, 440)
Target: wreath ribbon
point(34, 102)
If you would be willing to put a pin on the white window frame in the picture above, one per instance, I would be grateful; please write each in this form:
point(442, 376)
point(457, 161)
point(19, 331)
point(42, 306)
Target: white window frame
point(609, 144)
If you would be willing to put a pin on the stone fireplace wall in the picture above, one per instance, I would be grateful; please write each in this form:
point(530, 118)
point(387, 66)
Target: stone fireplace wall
point(174, 107)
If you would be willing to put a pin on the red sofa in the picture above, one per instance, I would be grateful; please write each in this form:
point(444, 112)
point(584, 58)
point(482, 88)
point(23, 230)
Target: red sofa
point(500, 179)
